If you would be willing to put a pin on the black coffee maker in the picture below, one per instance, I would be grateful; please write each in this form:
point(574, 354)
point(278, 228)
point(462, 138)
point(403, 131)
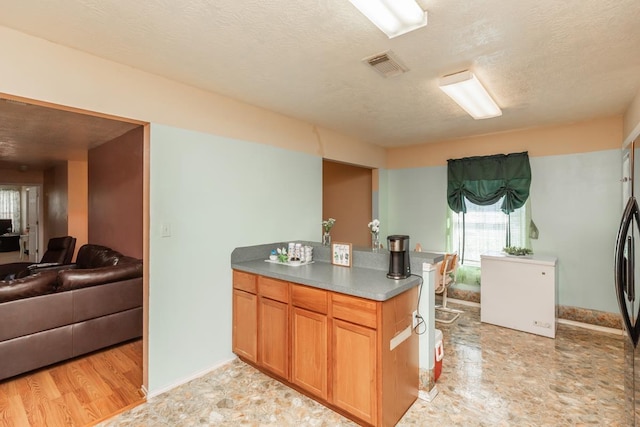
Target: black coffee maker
point(399, 265)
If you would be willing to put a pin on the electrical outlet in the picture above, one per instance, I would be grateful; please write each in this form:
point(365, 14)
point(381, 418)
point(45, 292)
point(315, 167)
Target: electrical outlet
point(415, 319)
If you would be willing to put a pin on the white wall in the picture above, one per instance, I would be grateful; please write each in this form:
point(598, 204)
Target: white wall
point(575, 203)
point(216, 194)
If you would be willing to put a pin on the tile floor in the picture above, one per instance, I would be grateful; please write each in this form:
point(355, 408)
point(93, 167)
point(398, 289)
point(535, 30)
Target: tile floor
point(491, 376)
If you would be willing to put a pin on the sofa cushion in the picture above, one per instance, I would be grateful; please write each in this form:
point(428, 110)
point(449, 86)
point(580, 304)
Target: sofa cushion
point(95, 256)
point(106, 330)
point(36, 314)
point(82, 278)
point(30, 286)
point(96, 301)
point(35, 350)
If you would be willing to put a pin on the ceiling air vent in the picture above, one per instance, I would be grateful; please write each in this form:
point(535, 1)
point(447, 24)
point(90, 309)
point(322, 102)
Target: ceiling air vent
point(386, 64)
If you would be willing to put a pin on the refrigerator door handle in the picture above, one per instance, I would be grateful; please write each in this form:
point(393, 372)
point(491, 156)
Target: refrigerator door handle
point(624, 269)
point(631, 277)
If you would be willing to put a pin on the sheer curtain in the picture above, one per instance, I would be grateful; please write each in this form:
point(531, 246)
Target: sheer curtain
point(10, 207)
point(485, 229)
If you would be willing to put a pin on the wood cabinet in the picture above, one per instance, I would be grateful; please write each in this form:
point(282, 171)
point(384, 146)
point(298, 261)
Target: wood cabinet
point(354, 369)
point(309, 340)
point(273, 326)
point(309, 351)
point(245, 316)
point(273, 336)
point(354, 355)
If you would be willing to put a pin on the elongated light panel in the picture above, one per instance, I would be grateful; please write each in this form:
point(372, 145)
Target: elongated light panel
point(393, 17)
point(467, 91)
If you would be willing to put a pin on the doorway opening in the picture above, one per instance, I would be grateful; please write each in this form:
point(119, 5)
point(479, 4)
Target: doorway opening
point(347, 196)
point(50, 166)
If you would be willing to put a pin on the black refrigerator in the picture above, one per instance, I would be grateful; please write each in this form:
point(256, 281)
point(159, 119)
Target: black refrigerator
point(626, 277)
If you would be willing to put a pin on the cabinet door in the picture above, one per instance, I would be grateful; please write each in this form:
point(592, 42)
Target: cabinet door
point(309, 351)
point(353, 353)
point(245, 325)
point(273, 337)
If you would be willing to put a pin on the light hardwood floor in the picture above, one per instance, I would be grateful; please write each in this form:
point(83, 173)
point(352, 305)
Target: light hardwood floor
point(7, 257)
point(80, 392)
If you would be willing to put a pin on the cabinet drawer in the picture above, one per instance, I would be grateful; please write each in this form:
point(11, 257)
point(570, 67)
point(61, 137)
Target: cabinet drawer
point(244, 281)
point(355, 310)
point(273, 289)
point(309, 298)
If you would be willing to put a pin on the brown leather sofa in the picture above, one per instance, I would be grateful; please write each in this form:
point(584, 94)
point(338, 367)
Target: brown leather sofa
point(61, 312)
point(59, 251)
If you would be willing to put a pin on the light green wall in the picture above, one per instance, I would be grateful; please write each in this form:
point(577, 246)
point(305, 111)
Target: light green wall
point(417, 205)
point(576, 204)
point(216, 194)
point(382, 199)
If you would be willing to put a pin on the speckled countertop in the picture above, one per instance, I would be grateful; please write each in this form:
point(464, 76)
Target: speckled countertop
point(367, 278)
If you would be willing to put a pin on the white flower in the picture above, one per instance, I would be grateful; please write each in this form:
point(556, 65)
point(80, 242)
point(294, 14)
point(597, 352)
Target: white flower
point(328, 224)
point(374, 226)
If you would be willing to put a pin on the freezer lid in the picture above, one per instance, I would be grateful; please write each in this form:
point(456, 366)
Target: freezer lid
point(526, 259)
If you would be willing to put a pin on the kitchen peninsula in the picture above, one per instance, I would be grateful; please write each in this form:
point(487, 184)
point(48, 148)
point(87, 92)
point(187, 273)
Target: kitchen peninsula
point(341, 335)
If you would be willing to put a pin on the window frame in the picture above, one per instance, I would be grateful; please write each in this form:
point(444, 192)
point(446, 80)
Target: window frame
point(521, 234)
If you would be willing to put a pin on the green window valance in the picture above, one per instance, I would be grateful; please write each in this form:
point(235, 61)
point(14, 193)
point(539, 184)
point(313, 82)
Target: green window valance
point(484, 180)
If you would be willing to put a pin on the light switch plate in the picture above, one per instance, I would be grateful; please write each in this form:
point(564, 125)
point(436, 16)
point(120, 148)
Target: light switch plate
point(165, 230)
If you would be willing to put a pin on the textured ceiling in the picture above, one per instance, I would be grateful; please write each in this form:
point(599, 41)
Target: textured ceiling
point(37, 137)
point(545, 61)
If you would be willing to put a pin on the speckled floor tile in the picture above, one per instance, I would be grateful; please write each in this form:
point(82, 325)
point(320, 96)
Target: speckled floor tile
point(491, 376)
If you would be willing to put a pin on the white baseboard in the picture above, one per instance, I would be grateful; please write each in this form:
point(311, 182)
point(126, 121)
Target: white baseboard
point(463, 302)
point(154, 393)
point(428, 396)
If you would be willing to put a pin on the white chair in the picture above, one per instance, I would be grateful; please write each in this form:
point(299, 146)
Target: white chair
point(448, 270)
point(24, 245)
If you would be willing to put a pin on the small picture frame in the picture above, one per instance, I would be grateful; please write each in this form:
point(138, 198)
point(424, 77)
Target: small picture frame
point(341, 254)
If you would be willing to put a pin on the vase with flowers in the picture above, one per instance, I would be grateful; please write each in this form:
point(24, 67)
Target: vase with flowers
point(282, 254)
point(327, 225)
point(374, 228)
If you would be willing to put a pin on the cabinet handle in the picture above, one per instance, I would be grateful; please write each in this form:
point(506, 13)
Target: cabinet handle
point(544, 273)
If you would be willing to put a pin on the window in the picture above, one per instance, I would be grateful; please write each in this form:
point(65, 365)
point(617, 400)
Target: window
point(485, 229)
point(10, 206)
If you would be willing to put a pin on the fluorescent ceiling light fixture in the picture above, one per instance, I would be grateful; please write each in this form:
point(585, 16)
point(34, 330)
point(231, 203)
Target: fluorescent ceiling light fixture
point(468, 92)
point(393, 17)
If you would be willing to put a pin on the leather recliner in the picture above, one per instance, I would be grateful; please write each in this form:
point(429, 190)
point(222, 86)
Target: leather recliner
point(59, 251)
